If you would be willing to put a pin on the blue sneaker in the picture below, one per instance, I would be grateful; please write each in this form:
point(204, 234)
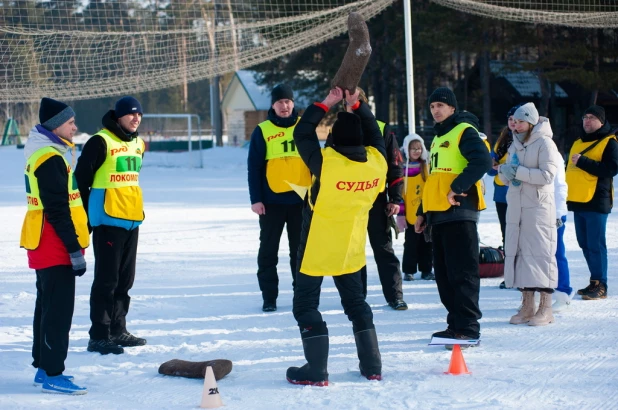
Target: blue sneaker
point(40, 377)
point(61, 385)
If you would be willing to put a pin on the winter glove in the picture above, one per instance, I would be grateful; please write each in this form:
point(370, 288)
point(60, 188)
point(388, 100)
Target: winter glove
point(79, 263)
point(509, 171)
point(559, 223)
point(391, 223)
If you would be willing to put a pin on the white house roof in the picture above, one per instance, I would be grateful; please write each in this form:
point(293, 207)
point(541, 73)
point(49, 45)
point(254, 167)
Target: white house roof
point(258, 95)
point(526, 83)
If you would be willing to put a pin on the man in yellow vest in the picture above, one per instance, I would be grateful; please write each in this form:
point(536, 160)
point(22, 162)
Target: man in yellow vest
point(450, 207)
point(589, 175)
point(274, 169)
point(55, 233)
point(347, 179)
point(108, 177)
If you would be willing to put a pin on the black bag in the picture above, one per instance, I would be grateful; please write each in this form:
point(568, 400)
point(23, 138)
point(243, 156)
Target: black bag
point(491, 262)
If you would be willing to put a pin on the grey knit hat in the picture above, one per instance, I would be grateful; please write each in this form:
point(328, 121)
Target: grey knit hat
point(52, 113)
point(528, 113)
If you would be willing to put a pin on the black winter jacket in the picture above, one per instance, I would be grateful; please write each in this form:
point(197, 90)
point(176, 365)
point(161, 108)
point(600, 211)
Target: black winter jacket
point(309, 148)
point(606, 169)
point(94, 153)
point(259, 191)
point(479, 160)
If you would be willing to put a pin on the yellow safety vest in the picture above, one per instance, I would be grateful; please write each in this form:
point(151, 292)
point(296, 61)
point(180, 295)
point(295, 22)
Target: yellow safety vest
point(338, 231)
point(445, 164)
point(119, 176)
point(581, 184)
point(32, 227)
point(501, 161)
point(284, 167)
point(414, 194)
point(381, 125)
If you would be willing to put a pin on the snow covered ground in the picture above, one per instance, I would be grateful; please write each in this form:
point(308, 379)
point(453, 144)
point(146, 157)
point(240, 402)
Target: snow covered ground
point(196, 298)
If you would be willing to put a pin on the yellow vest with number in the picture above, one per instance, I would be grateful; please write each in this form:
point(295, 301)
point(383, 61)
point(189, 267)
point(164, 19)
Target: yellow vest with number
point(582, 184)
point(414, 194)
point(284, 166)
point(119, 176)
point(445, 164)
point(338, 231)
point(32, 227)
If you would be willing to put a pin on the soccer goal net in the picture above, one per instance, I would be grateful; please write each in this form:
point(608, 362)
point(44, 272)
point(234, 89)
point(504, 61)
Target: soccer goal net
point(573, 13)
point(80, 49)
point(175, 140)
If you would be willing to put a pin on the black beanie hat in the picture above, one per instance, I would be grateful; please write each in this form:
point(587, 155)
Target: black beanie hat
point(512, 110)
point(53, 114)
point(445, 95)
point(347, 131)
point(597, 111)
point(280, 92)
point(127, 105)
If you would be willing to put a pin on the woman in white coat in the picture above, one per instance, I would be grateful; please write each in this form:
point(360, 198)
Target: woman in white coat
point(530, 245)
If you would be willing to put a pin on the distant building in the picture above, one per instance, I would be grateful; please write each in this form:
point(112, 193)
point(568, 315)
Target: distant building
point(245, 104)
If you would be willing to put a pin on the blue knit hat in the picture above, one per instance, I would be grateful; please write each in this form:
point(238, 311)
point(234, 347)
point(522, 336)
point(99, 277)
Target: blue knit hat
point(52, 113)
point(512, 110)
point(127, 105)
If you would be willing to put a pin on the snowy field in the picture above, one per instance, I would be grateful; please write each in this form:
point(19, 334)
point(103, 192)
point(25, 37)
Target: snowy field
point(196, 298)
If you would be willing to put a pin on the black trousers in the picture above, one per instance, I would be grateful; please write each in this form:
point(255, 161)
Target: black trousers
point(115, 251)
point(456, 266)
point(381, 240)
point(350, 287)
point(53, 313)
point(417, 253)
point(271, 228)
point(501, 211)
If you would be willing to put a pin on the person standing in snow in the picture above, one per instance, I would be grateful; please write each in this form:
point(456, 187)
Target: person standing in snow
point(531, 235)
point(592, 166)
point(452, 200)
point(274, 170)
point(417, 252)
point(107, 174)
point(564, 292)
point(55, 233)
point(378, 229)
point(348, 178)
point(499, 155)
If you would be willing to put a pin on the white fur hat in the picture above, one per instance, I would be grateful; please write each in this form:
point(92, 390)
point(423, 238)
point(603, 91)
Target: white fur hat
point(406, 145)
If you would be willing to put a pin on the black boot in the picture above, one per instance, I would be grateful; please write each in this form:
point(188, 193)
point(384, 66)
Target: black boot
point(315, 345)
point(369, 354)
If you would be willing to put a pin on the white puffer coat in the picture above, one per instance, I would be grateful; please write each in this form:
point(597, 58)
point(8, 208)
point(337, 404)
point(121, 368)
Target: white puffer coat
point(530, 243)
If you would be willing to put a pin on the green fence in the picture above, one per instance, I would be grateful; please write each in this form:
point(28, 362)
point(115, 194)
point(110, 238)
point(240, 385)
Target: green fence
point(176, 146)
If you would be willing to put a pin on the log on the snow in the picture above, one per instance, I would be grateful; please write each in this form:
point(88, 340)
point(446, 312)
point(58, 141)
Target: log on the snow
point(356, 56)
point(196, 370)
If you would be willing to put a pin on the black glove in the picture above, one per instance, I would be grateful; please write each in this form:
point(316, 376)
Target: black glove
point(392, 223)
point(79, 263)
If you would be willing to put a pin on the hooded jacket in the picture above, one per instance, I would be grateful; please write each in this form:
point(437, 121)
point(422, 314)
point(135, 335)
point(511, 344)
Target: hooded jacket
point(259, 191)
point(92, 158)
point(602, 200)
point(311, 153)
point(531, 235)
point(474, 150)
point(405, 148)
point(58, 237)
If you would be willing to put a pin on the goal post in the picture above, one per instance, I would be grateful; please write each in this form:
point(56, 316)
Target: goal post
point(176, 133)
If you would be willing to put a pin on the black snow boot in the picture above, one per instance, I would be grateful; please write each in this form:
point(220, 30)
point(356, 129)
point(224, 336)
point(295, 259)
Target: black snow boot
point(315, 345)
point(369, 354)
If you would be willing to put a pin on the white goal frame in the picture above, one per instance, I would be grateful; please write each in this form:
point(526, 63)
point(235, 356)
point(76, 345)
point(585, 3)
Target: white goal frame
point(188, 117)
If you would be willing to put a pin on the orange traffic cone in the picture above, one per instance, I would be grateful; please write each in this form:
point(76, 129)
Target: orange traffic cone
point(458, 364)
point(210, 396)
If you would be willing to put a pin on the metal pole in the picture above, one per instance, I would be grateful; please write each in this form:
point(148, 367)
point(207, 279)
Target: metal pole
point(188, 116)
point(199, 132)
point(407, 15)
